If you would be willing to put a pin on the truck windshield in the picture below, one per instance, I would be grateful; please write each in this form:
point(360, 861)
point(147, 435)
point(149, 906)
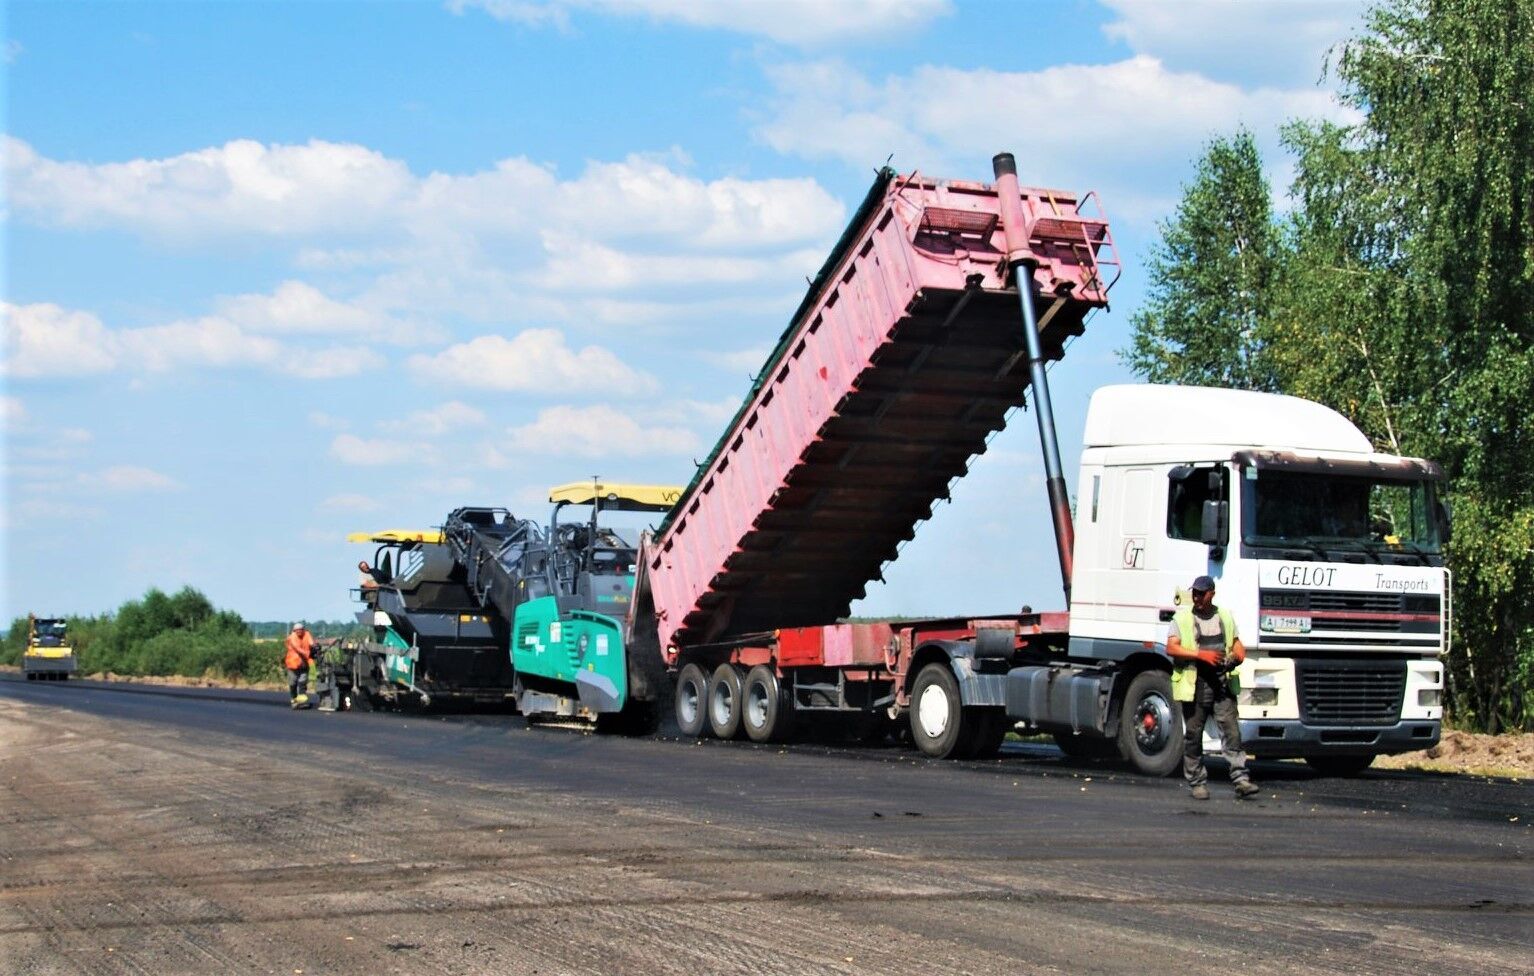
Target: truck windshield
point(1313, 509)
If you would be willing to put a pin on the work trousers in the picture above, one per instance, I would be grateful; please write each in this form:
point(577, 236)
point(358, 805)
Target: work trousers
point(298, 681)
point(1212, 697)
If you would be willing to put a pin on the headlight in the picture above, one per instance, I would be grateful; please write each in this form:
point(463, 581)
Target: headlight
point(1429, 697)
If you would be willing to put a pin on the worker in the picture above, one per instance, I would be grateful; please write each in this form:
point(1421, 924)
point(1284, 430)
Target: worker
point(1205, 651)
point(300, 651)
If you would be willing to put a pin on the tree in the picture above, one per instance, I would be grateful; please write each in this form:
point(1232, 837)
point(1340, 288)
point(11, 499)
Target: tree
point(1400, 292)
point(1442, 200)
point(1211, 277)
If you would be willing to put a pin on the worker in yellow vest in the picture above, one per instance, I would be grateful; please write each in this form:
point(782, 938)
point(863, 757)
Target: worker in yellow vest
point(1205, 651)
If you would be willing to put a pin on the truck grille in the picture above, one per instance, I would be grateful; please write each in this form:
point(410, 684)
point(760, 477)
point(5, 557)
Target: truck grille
point(1351, 691)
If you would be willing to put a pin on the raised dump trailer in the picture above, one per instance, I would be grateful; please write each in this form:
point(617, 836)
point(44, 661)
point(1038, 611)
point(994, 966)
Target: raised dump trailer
point(936, 313)
point(904, 358)
point(48, 655)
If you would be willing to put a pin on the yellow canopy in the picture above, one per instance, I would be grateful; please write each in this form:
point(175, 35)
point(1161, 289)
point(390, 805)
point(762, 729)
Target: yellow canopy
point(623, 498)
point(431, 536)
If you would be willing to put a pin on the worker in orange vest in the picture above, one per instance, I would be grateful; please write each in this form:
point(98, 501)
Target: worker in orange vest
point(300, 651)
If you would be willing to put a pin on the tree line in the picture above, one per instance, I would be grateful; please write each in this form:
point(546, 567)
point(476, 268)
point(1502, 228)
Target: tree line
point(173, 634)
point(1396, 286)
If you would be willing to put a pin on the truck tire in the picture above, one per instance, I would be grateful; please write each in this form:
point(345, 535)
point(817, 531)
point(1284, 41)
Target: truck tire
point(724, 701)
point(938, 720)
point(1150, 725)
point(1085, 746)
point(1339, 765)
point(766, 713)
point(691, 704)
point(991, 728)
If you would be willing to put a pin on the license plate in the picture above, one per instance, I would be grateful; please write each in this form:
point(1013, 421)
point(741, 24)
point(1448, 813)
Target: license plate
point(1282, 623)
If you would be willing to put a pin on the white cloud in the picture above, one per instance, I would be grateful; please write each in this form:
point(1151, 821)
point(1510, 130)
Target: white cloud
point(130, 478)
point(13, 413)
point(46, 340)
point(13, 51)
point(713, 414)
point(535, 360)
point(1128, 121)
point(745, 361)
point(351, 449)
point(351, 503)
point(325, 421)
point(297, 308)
point(348, 190)
point(804, 22)
point(241, 186)
point(437, 421)
point(1258, 43)
point(595, 432)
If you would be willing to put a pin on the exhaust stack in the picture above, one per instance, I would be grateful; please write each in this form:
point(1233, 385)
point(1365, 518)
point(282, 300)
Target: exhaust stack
point(1022, 262)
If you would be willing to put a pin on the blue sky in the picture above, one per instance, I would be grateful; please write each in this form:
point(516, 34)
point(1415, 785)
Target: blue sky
point(274, 272)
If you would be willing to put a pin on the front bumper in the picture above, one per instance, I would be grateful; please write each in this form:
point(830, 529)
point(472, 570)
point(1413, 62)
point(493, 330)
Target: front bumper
point(1281, 739)
point(50, 664)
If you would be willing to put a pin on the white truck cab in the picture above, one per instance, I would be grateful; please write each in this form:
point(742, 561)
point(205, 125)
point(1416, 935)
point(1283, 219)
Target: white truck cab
point(1327, 552)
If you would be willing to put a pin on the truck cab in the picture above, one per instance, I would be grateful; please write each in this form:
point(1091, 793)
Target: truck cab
point(1328, 553)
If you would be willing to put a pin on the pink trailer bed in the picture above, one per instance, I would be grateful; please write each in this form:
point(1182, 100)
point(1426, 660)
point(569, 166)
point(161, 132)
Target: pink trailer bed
point(903, 359)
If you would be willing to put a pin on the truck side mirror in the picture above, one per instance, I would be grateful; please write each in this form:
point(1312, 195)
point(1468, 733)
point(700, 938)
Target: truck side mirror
point(1444, 522)
point(1214, 528)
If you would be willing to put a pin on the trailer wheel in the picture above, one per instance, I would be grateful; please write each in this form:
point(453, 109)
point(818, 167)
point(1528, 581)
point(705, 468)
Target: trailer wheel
point(766, 715)
point(724, 701)
point(1150, 725)
point(691, 699)
point(938, 722)
point(1339, 765)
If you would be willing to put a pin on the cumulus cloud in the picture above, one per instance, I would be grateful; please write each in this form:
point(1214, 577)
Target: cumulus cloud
point(347, 190)
point(1126, 120)
point(372, 452)
point(746, 361)
point(800, 22)
point(47, 340)
point(298, 308)
point(351, 503)
point(13, 413)
point(595, 432)
point(439, 420)
point(241, 186)
point(130, 478)
point(1258, 43)
point(535, 360)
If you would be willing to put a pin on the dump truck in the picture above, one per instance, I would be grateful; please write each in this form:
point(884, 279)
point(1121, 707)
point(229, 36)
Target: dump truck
point(935, 316)
point(48, 655)
point(493, 607)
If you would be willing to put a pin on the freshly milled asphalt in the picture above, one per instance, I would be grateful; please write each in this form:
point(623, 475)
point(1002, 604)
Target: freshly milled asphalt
point(1061, 866)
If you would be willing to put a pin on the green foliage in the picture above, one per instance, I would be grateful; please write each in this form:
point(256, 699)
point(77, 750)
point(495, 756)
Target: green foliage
point(176, 634)
point(1403, 296)
point(1211, 276)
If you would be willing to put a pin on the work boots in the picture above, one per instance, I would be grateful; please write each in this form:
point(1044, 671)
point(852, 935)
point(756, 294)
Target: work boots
point(1245, 788)
point(1199, 792)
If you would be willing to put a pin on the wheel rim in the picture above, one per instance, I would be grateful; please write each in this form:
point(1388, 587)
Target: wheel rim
point(687, 702)
point(1153, 723)
point(722, 703)
point(932, 711)
point(756, 706)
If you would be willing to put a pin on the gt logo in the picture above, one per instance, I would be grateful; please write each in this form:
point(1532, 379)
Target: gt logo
point(1134, 553)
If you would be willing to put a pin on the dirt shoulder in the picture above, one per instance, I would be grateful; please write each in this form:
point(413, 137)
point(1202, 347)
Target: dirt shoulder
point(1472, 754)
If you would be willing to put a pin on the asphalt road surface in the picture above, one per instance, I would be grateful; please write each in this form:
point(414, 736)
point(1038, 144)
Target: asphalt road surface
point(148, 830)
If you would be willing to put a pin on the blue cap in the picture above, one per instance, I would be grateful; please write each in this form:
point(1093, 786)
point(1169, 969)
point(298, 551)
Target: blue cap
point(1202, 585)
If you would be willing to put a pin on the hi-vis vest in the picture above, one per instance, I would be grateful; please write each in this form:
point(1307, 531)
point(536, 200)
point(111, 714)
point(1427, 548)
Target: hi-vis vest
point(1184, 674)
